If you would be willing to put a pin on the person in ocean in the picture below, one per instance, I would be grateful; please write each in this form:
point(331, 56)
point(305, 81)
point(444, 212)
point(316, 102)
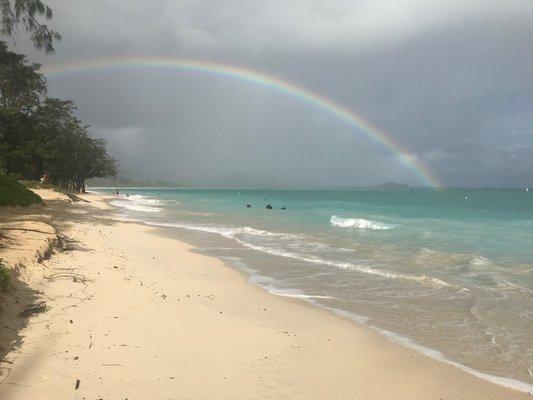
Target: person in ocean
point(283, 208)
point(269, 207)
point(248, 205)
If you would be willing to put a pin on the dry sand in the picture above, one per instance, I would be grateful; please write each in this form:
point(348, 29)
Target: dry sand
point(133, 314)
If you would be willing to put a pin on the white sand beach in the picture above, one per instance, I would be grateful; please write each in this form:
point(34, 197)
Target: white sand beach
point(134, 314)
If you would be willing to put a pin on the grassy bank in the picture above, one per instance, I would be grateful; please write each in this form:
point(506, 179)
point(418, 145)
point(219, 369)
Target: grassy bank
point(13, 193)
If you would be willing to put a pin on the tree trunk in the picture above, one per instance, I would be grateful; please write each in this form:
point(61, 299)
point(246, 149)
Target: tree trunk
point(80, 184)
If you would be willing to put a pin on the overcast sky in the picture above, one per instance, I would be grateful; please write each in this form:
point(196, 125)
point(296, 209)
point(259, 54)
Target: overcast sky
point(452, 81)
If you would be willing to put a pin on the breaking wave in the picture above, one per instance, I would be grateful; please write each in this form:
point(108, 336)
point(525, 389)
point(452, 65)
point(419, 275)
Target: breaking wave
point(239, 235)
point(134, 206)
point(359, 223)
point(141, 203)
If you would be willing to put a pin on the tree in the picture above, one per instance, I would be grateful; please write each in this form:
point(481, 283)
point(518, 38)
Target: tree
point(69, 154)
point(92, 160)
point(21, 84)
point(21, 89)
point(28, 14)
point(43, 135)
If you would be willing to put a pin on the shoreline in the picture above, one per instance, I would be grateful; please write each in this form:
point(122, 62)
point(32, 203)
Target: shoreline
point(359, 321)
point(359, 361)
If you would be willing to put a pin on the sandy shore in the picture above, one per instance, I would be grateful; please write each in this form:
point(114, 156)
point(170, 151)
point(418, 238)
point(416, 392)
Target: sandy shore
point(134, 314)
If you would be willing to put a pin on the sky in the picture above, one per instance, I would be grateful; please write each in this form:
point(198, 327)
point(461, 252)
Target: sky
point(450, 81)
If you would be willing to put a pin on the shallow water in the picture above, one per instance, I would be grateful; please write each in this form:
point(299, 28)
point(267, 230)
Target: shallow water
point(448, 270)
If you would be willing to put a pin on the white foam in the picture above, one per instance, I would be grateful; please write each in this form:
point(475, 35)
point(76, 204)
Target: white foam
point(297, 294)
point(228, 232)
point(232, 233)
point(359, 223)
point(200, 214)
point(268, 283)
point(479, 261)
point(144, 200)
point(135, 207)
point(137, 202)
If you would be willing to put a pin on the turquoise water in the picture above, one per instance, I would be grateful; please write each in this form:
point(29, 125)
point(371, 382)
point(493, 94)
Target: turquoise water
point(448, 271)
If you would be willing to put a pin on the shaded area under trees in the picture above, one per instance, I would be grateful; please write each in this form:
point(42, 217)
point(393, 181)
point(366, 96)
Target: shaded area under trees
point(41, 136)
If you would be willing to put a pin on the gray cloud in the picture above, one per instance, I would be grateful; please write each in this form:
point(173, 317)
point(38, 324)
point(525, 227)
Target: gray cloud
point(452, 81)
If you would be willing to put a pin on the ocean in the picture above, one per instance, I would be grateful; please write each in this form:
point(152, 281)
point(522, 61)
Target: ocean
point(446, 272)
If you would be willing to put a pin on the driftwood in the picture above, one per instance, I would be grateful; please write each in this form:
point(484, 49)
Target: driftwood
point(75, 198)
point(64, 243)
point(67, 275)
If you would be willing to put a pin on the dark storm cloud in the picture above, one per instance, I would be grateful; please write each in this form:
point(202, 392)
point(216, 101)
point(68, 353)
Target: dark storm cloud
point(451, 81)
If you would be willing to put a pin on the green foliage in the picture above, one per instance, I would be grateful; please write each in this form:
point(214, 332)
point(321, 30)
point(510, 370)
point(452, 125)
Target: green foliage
point(21, 84)
point(13, 193)
point(27, 13)
point(5, 276)
point(40, 135)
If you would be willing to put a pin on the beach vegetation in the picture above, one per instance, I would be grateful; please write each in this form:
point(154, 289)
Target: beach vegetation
point(5, 276)
point(41, 137)
point(13, 193)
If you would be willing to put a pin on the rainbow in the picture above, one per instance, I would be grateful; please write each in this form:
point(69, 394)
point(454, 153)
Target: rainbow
point(261, 79)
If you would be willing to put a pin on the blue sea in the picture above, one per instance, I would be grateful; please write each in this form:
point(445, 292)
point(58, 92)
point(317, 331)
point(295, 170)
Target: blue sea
point(447, 272)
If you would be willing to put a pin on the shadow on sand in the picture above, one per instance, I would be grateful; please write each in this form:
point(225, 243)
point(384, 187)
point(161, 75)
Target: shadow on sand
point(20, 301)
